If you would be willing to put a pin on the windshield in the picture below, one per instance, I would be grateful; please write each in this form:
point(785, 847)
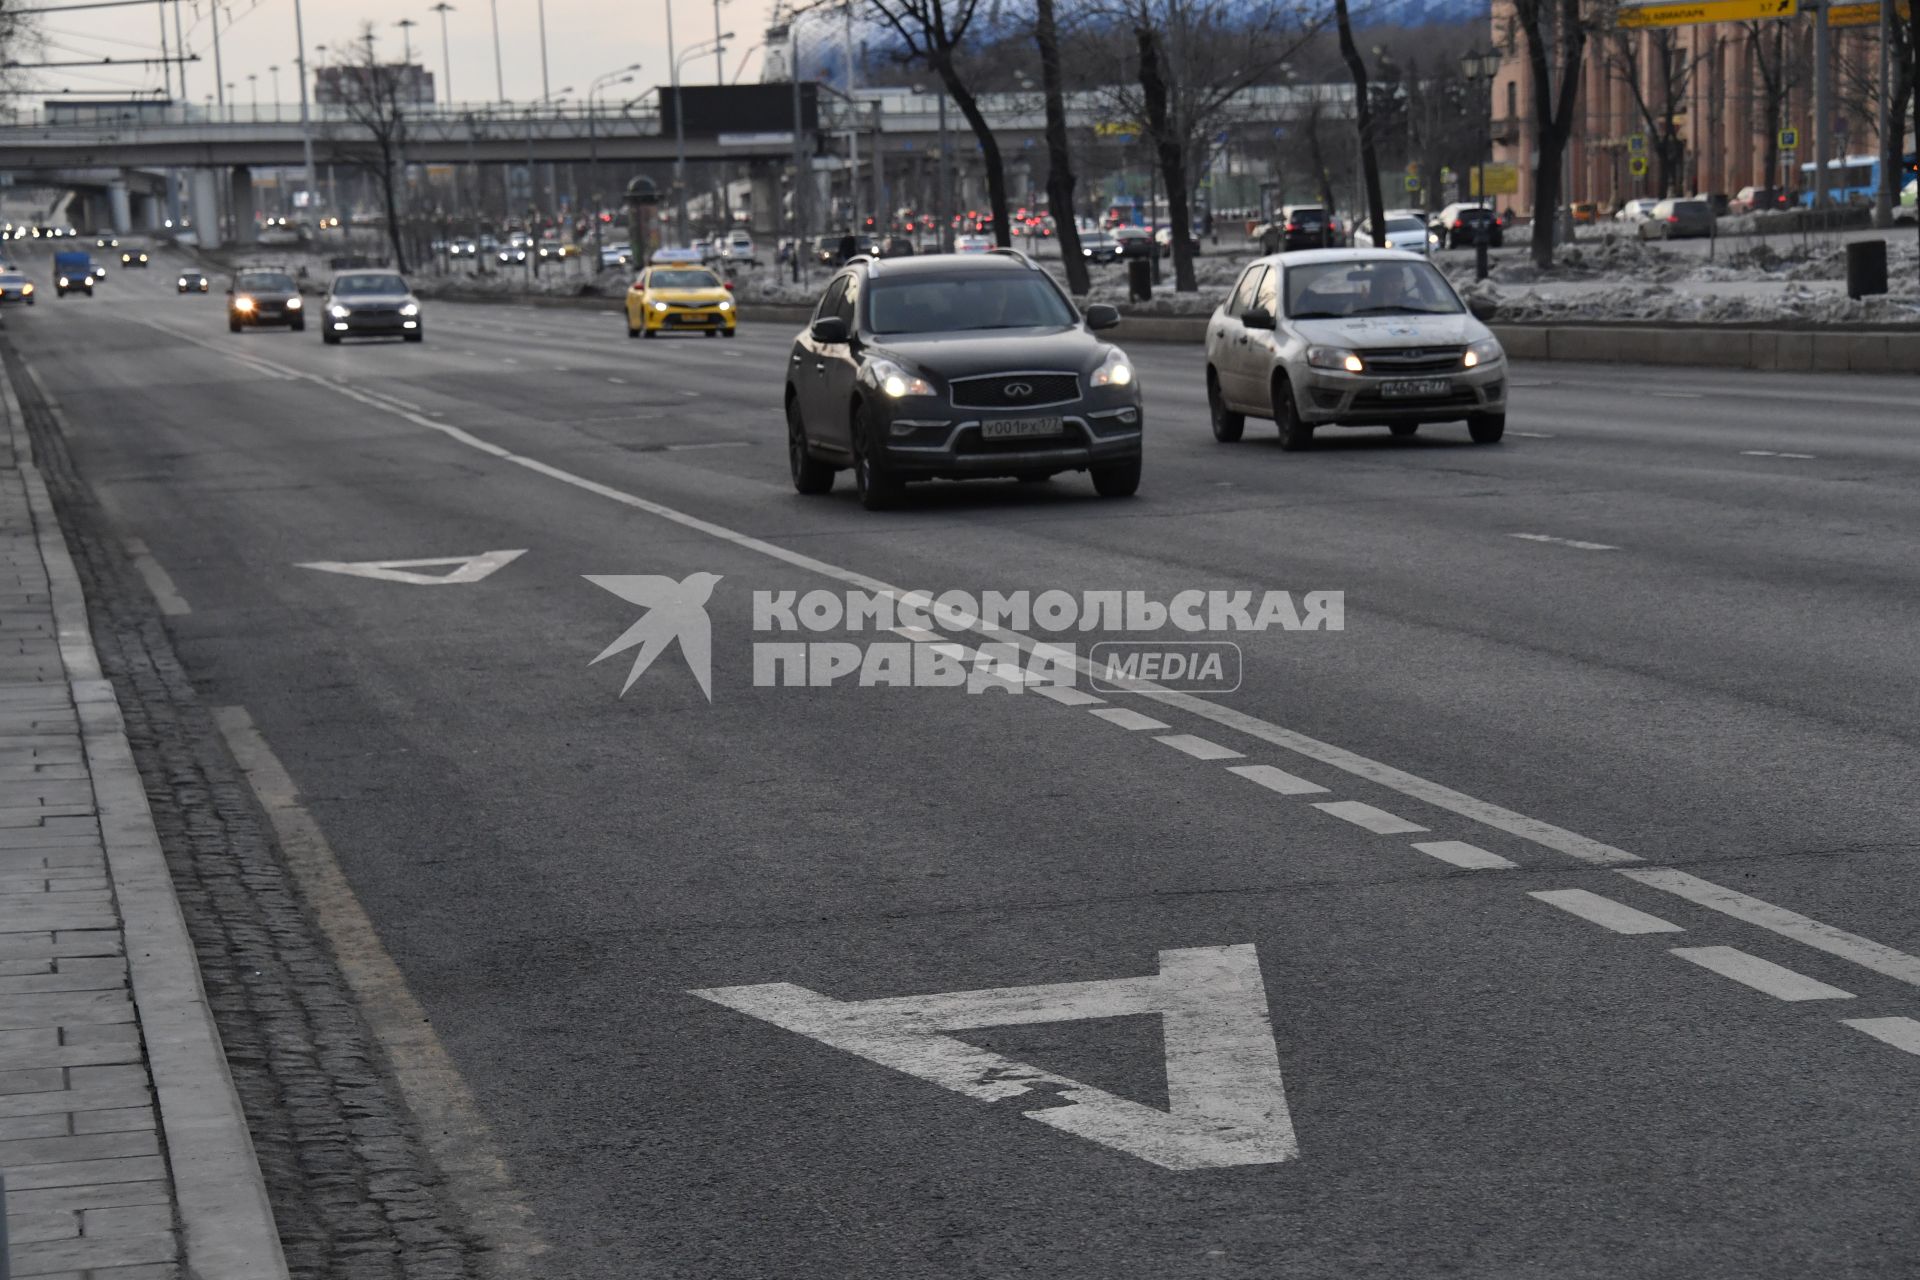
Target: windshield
point(1405, 224)
point(944, 304)
point(369, 283)
point(683, 280)
point(1377, 287)
point(265, 282)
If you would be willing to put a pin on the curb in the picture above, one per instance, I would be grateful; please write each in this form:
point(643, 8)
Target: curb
point(227, 1226)
point(1827, 349)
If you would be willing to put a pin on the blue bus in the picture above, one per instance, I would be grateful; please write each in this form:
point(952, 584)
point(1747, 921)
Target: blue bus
point(1855, 179)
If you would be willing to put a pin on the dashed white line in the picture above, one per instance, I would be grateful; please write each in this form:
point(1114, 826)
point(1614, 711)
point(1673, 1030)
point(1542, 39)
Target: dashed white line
point(1128, 719)
point(1605, 912)
point(706, 444)
point(1762, 975)
point(1864, 952)
point(690, 394)
point(1459, 853)
point(1768, 453)
point(1532, 435)
point(1199, 748)
point(158, 580)
point(1901, 1033)
point(1378, 821)
point(1675, 395)
point(1066, 695)
point(1276, 779)
point(1575, 543)
point(618, 382)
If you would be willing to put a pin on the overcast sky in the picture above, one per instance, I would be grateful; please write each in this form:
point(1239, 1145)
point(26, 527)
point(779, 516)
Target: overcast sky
point(585, 39)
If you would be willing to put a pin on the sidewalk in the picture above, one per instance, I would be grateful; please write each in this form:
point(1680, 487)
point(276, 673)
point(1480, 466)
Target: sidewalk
point(121, 1139)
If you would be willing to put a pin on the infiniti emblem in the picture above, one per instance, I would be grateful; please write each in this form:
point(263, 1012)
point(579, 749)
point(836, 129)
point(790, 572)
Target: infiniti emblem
point(1018, 390)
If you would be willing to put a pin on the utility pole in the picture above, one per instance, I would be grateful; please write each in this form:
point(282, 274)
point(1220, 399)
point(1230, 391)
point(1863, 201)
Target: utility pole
point(166, 66)
point(446, 56)
point(546, 88)
point(940, 169)
point(219, 76)
point(499, 74)
point(306, 119)
point(1822, 105)
point(679, 138)
point(180, 43)
point(1891, 150)
point(853, 134)
point(719, 51)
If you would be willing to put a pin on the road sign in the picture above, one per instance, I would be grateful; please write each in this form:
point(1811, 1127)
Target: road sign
point(1637, 166)
point(1227, 1106)
point(1497, 180)
point(1863, 15)
point(1638, 16)
point(1413, 182)
point(464, 569)
point(1789, 139)
point(1636, 143)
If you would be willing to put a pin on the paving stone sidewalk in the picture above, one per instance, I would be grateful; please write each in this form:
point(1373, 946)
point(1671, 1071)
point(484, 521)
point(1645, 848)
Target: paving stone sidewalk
point(94, 1156)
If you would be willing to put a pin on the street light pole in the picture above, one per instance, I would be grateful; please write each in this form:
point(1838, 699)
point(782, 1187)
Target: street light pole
point(306, 120)
point(624, 76)
point(446, 57)
point(499, 74)
point(546, 91)
point(680, 125)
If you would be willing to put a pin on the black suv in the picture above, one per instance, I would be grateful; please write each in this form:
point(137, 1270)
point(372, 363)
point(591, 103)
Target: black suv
point(942, 366)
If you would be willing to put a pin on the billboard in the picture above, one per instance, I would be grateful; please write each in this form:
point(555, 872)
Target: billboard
point(713, 109)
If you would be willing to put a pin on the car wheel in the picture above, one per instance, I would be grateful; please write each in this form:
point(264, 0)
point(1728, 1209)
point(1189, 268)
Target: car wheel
point(233, 326)
point(418, 336)
point(1228, 426)
point(649, 333)
point(1295, 435)
point(877, 490)
point(298, 326)
point(1117, 479)
point(331, 339)
point(1487, 428)
point(729, 332)
point(631, 331)
point(1403, 428)
point(810, 475)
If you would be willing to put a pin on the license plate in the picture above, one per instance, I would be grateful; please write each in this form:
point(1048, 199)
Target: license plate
point(1016, 428)
point(695, 317)
point(1414, 388)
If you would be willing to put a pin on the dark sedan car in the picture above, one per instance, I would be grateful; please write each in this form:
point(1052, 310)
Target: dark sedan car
point(372, 304)
point(264, 297)
point(948, 367)
point(192, 282)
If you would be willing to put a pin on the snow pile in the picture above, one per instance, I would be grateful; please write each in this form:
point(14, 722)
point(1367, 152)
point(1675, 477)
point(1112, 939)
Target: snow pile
point(1793, 303)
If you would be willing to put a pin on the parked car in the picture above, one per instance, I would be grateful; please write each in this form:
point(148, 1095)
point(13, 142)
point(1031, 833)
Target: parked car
point(1718, 201)
point(739, 248)
point(1678, 220)
point(1459, 225)
point(1756, 199)
point(1635, 211)
point(938, 367)
point(1585, 212)
point(616, 255)
point(972, 244)
point(1351, 338)
point(1134, 242)
point(1163, 242)
point(1098, 246)
point(1908, 210)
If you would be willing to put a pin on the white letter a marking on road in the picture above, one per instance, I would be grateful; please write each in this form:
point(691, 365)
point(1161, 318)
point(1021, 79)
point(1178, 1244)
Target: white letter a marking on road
point(1227, 1104)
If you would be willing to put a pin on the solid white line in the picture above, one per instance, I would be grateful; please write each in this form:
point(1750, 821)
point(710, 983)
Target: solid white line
point(1564, 542)
point(708, 444)
point(1675, 395)
point(1199, 748)
point(1605, 912)
point(1901, 1033)
point(618, 381)
point(1532, 435)
point(1461, 854)
point(159, 581)
point(1533, 830)
point(1127, 719)
point(1762, 975)
point(1768, 453)
point(1276, 779)
point(1378, 821)
point(1866, 953)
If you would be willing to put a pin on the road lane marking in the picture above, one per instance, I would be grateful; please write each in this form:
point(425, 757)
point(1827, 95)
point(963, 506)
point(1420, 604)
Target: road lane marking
point(1533, 830)
point(1762, 975)
point(1901, 1033)
point(1675, 395)
point(1067, 695)
point(1470, 857)
point(1199, 748)
point(618, 382)
point(1127, 719)
point(451, 1121)
point(1274, 779)
point(1564, 542)
point(1227, 1102)
point(1605, 912)
point(159, 581)
point(1532, 435)
point(1768, 453)
point(465, 569)
point(1865, 952)
point(1378, 821)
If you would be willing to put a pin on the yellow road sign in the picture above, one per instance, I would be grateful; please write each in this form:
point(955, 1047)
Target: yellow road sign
point(1789, 139)
point(1637, 166)
point(1863, 15)
point(1635, 17)
point(1501, 180)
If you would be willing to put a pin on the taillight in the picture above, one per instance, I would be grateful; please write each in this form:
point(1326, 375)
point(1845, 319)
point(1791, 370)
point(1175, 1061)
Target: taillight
point(1293, 226)
point(727, 285)
point(635, 288)
point(1458, 223)
point(1673, 217)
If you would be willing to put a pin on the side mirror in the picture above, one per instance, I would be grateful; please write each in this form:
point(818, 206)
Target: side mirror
point(1257, 318)
point(829, 330)
point(1103, 316)
point(1482, 309)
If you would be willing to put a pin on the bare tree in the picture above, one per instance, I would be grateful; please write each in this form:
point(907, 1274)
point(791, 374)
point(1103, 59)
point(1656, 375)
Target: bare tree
point(1363, 120)
point(376, 130)
point(1659, 95)
point(20, 37)
point(1190, 60)
point(933, 32)
point(1060, 180)
point(1780, 73)
point(1550, 26)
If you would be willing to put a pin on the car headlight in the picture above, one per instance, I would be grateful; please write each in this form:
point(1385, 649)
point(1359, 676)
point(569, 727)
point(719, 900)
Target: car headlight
point(725, 305)
point(897, 381)
point(183, 282)
point(293, 304)
point(659, 306)
point(26, 288)
point(1114, 371)
point(243, 304)
point(338, 312)
point(143, 257)
point(64, 282)
point(410, 309)
point(1335, 358)
point(1485, 351)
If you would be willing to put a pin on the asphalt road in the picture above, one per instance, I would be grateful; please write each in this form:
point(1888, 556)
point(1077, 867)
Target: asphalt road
point(1645, 632)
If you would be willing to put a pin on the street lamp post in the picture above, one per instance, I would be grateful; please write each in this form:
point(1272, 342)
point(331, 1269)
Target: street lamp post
point(1481, 69)
point(499, 72)
point(446, 57)
point(274, 71)
point(680, 124)
point(622, 76)
point(253, 88)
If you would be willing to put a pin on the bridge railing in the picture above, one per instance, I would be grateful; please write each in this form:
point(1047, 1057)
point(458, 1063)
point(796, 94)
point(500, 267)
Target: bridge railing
point(131, 116)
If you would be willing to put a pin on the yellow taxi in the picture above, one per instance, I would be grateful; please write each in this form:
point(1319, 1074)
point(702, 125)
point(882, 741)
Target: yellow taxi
point(676, 297)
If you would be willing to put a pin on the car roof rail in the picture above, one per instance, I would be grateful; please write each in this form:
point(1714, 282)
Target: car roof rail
point(872, 261)
point(1008, 251)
